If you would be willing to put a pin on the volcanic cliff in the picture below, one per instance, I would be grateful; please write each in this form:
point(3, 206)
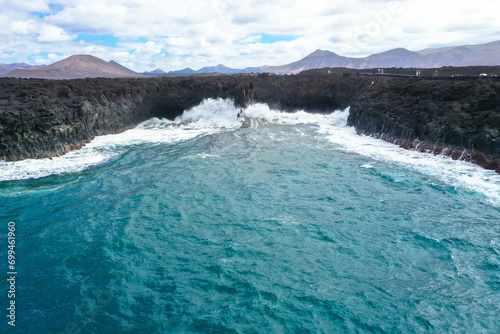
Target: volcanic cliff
point(459, 117)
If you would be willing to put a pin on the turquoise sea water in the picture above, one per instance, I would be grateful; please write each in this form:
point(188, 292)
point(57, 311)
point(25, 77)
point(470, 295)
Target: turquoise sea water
point(292, 225)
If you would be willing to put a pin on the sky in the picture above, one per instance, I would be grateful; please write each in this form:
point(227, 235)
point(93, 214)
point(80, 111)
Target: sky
point(174, 34)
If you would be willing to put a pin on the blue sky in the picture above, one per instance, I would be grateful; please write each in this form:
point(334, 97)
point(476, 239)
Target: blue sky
point(149, 34)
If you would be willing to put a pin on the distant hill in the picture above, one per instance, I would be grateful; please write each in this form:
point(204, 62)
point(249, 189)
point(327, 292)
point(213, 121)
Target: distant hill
point(394, 58)
point(457, 56)
point(4, 68)
point(221, 69)
point(185, 71)
point(83, 66)
point(317, 59)
point(465, 55)
point(75, 67)
point(156, 73)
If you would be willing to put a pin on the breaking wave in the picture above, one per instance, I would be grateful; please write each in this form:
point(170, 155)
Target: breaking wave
point(216, 115)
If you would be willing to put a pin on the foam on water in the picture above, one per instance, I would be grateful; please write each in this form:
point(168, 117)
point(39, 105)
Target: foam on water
point(333, 126)
point(459, 174)
point(210, 116)
point(294, 224)
point(215, 115)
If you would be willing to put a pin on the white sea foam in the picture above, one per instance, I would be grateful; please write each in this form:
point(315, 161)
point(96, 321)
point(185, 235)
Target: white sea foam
point(334, 128)
point(261, 113)
point(210, 116)
point(71, 162)
point(215, 115)
point(459, 174)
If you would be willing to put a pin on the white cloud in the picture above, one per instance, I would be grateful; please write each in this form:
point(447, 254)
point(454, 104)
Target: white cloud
point(50, 33)
point(150, 48)
point(198, 33)
point(92, 16)
point(23, 27)
point(48, 59)
point(25, 5)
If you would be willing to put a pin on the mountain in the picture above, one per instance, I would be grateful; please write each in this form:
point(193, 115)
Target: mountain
point(156, 73)
point(75, 67)
point(86, 66)
point(317, 59)
point(393, 58)
point(4, 68)
point(466, 55)
point(221, 69)
point(185, 71)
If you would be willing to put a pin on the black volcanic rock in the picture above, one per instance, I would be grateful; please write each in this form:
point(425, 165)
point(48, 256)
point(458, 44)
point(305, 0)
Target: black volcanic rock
point(459, 117)
point(43, 118)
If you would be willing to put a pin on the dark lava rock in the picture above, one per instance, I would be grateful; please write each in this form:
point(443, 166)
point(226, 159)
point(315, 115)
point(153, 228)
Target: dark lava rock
point(44, 118)
point(460, 117)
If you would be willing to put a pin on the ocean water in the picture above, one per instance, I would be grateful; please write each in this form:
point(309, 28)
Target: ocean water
point(292, 224)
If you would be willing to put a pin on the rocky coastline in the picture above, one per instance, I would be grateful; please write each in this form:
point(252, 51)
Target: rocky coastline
point(457, 118)
point(461, 117)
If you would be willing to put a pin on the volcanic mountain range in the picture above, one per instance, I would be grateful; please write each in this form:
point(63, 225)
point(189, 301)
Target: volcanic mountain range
point(83, 66)
point(75, 67)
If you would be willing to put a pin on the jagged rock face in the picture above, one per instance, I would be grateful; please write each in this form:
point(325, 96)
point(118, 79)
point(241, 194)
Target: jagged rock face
point(288, 93)
point(44, 118)
point(464, 115)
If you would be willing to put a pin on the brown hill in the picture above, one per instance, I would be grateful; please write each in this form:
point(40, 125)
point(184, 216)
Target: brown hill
point(4, 68)
point(317, 59)
point(466, 55)
point(76, 67)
